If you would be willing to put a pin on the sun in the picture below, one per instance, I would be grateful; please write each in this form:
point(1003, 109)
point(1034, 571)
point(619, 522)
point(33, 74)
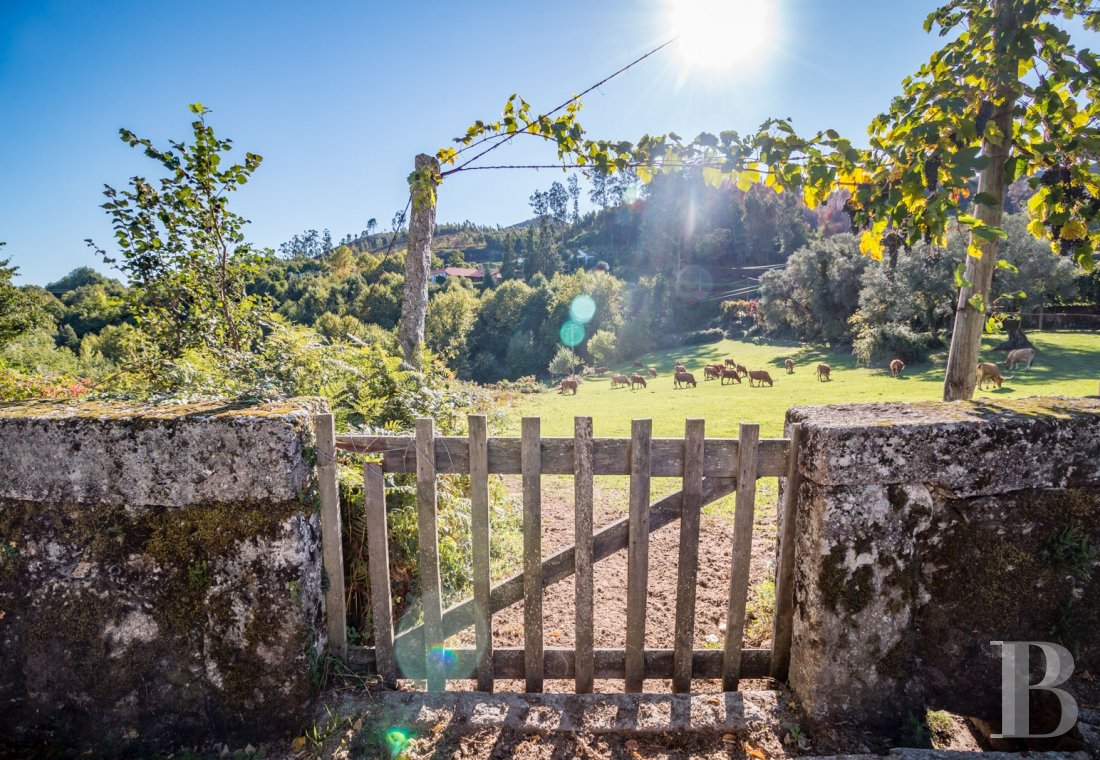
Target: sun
point(723, 34)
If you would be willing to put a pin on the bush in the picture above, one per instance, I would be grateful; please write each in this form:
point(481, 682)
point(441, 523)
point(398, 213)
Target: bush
point(882, 343)
point(699, 337)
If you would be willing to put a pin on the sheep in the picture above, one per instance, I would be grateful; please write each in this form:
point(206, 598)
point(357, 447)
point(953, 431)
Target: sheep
point(599, 371)
point(730, 363)
point(680, 367)
point(732, 375)
point(823, 371)
point(617, 380)
point(652, 371)
point(760, 376)
point(989, 371)
point(712, 372)
point(636, 379)
point(1023, 356)
point(741, 370)
point(569, 384)
point(789, 365)
point(896, 367)
point(684, 378)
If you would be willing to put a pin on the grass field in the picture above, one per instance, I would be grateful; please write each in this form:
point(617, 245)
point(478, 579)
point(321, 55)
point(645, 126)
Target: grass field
point(1067, 364)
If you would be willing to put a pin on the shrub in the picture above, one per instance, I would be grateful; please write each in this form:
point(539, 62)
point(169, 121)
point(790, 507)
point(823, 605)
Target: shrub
point(699, 337)
point(882, 343)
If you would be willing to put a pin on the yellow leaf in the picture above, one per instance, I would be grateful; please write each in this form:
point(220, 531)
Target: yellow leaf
point(644, 174)
point(1074, 230)
point(744, 181)
point(809, 196)
point(298, 745)
point(870, 244)
point(713, 177)
point(974, 250)
point(1035, 227)
point(771, 181)
point(446, 155)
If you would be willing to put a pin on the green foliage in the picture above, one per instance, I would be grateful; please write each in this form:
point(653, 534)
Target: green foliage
point(564, 362)
point(450, 318)
point(1071, 549)
point(602, 347)
point(879, 344)
point(914, 732)
point(184, 251)
point(19, 312)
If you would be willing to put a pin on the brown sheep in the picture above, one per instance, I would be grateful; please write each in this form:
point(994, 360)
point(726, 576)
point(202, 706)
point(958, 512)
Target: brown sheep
point(617, 380)
point(636, 379)
point(1020, 356)
point(569, 384)
point(730, 363)
point(732, 375)
point(712, 372)
point(760, 376)
point(680, 368)
point(741, 370)
point(823, 371)
point(652, 371)
point(599, 371)
point(789, 365)
point(684, 378)
point(989, 371)
point(896, 367)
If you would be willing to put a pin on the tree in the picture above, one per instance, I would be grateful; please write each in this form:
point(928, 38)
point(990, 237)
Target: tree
point(575, 196)
point(602, 346)
point(508, 259)
point(450, 318)
point(564, 362)
point(19, 311)
point(414, 305)
point(184, 250)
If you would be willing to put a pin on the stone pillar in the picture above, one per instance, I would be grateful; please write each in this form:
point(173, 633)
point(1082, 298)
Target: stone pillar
point(928, 530)
point(160, 571)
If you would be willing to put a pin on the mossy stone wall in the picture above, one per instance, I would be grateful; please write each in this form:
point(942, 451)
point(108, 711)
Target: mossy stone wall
point(160, 572)
point(928, 530)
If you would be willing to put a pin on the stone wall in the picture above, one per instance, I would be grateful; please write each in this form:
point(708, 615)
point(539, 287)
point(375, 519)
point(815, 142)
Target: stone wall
point(928, 530)
point(160, 571)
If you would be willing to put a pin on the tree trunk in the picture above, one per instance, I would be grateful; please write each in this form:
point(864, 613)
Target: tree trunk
point(1014, 326)
point(962, 359)
point(418, 260)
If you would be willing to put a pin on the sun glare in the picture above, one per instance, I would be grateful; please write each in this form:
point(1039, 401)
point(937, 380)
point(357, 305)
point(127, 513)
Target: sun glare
point(722, 34)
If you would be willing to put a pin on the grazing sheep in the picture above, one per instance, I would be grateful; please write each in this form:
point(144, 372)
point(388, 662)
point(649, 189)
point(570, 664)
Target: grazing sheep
point(599, 371)
point(741, 370)
point(732, 375)
point(636, 379)
point(989, 371)
point(684, 378)
point(823, 371)
point(680, 368)
point(652, 371)
point(760, 376)
point(617, 380)
point(730, 363)
point(712, 372)
point(789, 365)
point(896, 367)
point(1020, 356)
point(569, 384)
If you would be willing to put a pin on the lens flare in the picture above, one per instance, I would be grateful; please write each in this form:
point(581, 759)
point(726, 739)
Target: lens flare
point(441, 657)
point(572, 333)
point(582, 309)
point(397, 739)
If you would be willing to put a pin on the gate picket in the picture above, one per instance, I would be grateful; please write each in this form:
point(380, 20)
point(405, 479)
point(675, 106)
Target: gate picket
point(637, 558)
point(374, 496)
point(742, 555)
point(431, 597)
point(582, 497)
point(480, 539)
point(688, 565)
point(532, 554)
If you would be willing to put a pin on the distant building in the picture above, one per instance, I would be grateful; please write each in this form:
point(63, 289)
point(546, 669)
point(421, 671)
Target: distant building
point(474, 274)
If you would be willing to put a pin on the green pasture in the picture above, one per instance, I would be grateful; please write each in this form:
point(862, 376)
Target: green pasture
point(1066, 364)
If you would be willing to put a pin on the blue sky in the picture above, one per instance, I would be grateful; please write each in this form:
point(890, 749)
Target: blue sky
point(339, 96)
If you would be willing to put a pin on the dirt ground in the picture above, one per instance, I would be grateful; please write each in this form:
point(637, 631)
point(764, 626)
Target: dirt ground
point(712, 596)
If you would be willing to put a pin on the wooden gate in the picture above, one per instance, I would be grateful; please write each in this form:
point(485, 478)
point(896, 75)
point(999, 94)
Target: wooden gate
point(710, 469)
